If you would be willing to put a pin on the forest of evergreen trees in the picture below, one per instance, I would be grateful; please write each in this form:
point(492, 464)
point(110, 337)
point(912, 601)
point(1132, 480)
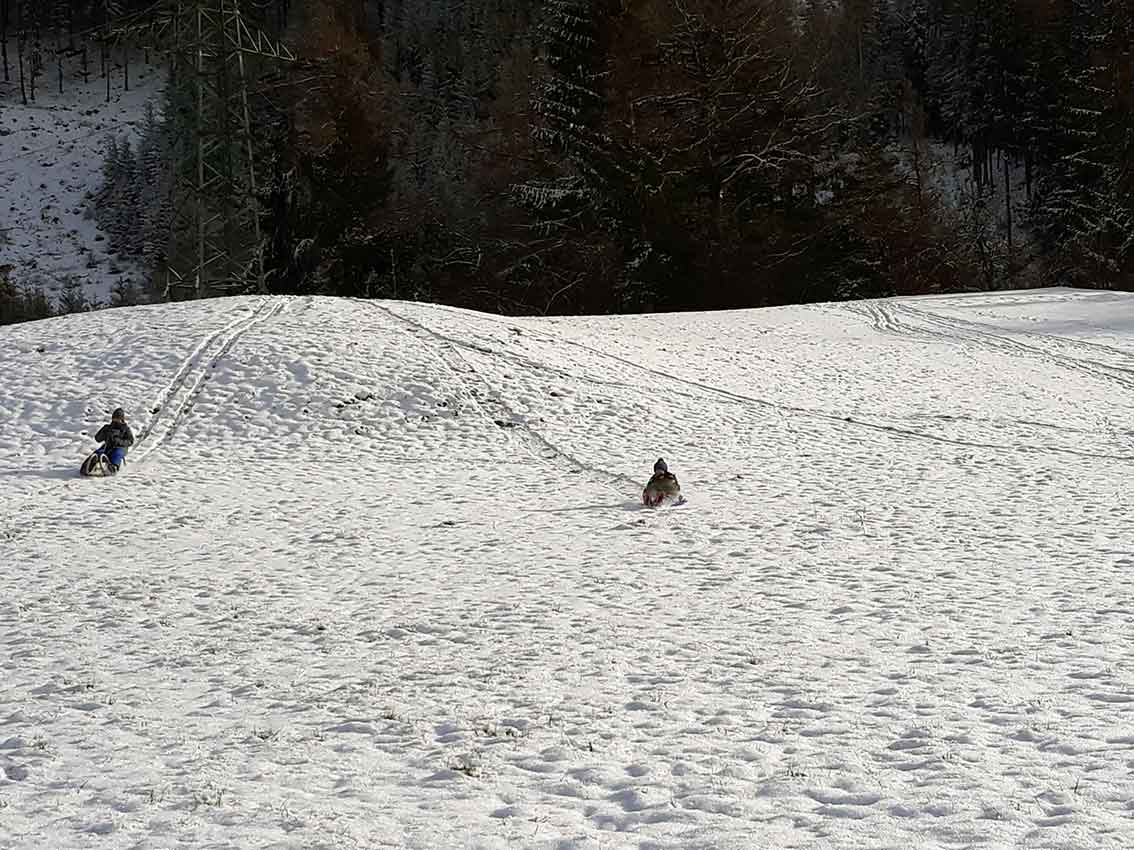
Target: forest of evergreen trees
point(597, 156)
point(563, 156)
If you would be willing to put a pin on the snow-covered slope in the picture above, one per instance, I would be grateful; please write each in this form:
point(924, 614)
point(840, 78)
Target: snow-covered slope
point(51, 157)
point(377, 577)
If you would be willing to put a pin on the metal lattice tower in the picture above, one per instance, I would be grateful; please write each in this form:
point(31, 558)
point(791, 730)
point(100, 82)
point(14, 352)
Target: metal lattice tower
point(215, 241)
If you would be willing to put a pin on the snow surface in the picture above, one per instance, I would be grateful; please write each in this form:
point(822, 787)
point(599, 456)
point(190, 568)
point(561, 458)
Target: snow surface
point(377, 577)
point(51, 157)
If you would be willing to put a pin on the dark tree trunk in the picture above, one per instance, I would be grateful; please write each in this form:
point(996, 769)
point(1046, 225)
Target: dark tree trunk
point(33, 72)
point(20, 62)
point(4, 38)
point(1008, 212)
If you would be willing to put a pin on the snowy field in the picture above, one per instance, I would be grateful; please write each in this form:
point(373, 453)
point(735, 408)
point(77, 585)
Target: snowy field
point(377, 577)
point(51, 157)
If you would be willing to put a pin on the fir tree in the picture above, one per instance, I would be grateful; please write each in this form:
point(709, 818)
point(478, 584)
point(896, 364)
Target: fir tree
point(72, 298)
point(155, 179)
point(124, 293)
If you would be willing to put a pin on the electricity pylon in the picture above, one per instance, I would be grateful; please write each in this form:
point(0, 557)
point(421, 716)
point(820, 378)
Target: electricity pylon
point(215, 245)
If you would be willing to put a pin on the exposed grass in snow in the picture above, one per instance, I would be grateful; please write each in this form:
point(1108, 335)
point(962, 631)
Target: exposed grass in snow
point(377, 577)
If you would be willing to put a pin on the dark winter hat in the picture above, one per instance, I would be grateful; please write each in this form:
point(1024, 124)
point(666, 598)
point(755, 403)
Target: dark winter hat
point(660, 466)
point(118, 413)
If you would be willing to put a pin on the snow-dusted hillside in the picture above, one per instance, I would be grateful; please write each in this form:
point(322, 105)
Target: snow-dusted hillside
point(51, 158)
point(377, 577)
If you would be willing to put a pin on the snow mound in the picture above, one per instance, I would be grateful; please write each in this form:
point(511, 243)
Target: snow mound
point(377, 576)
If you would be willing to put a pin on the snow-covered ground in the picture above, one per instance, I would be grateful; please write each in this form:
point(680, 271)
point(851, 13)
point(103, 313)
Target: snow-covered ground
point(377, 577)
point(51, 157)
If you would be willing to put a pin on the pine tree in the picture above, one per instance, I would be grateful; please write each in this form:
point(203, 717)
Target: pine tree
point(72, 298)
point(570, 105)
point(155, 179)
point(578, 233)
point(1083, 203)
point(124, 293)
point(117, 202)
point(104, 198)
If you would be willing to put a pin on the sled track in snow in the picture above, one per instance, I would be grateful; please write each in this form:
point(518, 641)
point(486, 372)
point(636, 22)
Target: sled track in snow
point(894, 319)
point(1096, 349)
point(769, 407)
point(981, 334)
point(888, 324)
point(503, 416)
point(688, 390)
point(884, 320)
point(485, 399)
point(536, 440)
point(175, 400)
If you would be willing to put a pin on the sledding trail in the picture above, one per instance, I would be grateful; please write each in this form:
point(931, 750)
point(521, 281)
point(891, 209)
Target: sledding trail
point(187, 383)
point(815, 422)
point(903, 319)
point(489, 402)
point(1007, 350)
point(187, 366)
point(965, 332)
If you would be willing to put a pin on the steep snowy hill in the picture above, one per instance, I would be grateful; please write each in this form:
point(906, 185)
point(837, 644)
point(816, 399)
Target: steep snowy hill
point(377, 576)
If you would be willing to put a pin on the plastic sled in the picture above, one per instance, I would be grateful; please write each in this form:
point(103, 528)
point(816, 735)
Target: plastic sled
point(97, 465)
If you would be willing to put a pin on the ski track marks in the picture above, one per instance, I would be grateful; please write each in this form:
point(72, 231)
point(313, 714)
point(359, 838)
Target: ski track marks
point(406, 605)
point(171, 407)
point(1000, 354)
point(903, 319)
point(489, 402)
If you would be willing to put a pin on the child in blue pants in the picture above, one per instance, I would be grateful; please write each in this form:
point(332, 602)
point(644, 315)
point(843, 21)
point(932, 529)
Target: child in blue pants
point(116, 438)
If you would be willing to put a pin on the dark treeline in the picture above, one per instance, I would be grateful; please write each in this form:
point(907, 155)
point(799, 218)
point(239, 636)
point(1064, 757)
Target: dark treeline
point(593, 155)
point(621, 155)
